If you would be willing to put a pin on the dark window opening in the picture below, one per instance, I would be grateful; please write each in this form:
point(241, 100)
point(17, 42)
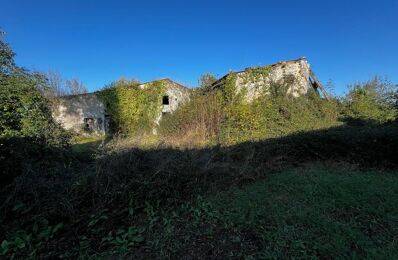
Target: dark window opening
point(89, 124)
point(166, 100)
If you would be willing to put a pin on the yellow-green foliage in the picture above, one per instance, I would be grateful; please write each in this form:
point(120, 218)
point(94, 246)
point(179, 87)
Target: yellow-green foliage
point(196, 121)
point(133, 109)
point(227, 117)
point(275, 113)
point(229, 89)
point(256, 74)
point(371, 101)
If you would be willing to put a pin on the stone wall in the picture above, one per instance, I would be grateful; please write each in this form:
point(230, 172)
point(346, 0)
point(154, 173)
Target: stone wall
point(297, 72)
point(71, 112)
point(177, 95)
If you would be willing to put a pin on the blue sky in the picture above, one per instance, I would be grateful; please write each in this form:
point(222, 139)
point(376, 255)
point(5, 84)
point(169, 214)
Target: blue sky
point(101, 41)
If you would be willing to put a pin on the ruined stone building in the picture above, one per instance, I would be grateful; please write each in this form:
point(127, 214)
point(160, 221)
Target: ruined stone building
point(77, 112)
point(297, 74)
point(175, 95)
point(87, 112)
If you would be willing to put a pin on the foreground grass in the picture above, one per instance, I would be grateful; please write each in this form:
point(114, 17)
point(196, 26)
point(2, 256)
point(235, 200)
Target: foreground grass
point(307, 212)
point(317, 213)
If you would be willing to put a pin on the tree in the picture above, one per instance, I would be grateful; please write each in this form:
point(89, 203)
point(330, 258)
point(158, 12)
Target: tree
point(24, 110)
point(373, 100)
point(205, 82)
point(6, 56)
point(27, 128)
point(55, 84)
point(75, 87)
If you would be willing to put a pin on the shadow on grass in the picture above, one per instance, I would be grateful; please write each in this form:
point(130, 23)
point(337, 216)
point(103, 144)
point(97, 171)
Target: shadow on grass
point(134, 187)
point(84, 149)
point(166, 174)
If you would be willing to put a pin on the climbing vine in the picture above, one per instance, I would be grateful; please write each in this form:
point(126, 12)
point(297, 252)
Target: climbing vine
point(133, 108)
point(272, 112)
point(256, 74)
point(227, 116)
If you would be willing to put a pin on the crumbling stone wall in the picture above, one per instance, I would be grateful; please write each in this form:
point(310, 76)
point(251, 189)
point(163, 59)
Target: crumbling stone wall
point(71, 111)
point(255, 81)
point(177, 95)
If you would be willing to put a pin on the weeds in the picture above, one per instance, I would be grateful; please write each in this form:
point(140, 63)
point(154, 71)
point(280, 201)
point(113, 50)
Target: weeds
point(121, 240)
point(26, 242)
point(157, 202)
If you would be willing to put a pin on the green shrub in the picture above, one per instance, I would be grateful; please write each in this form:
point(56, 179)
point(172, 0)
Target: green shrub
point(133, 109)
point(371, 101)
point(199, 119)
point(27, 130)
point(226, 116)
point(26, 113)
point(26, 242)
point(276, 114)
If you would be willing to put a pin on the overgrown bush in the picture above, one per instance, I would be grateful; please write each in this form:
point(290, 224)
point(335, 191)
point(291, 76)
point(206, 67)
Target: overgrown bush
point(27, 128)
point(134, 109)
point(373, 100)
point(195, 122)
point(26, 114)
point(275, 113)
point(227, 117)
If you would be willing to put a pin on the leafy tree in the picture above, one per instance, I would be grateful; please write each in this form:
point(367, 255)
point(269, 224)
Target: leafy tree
point(27, 129)
point(26, 113)
point(373, 100)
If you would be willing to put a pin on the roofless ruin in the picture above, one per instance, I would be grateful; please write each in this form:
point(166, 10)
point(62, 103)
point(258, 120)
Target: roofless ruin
point(88, 112)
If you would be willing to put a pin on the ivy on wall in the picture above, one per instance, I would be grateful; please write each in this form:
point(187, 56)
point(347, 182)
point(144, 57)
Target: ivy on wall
point(259, 74)
point(133, 108)
point(228, 117)
point(274, 112)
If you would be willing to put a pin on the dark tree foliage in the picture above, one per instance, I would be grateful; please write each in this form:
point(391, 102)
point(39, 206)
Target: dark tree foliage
point(27, 129)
